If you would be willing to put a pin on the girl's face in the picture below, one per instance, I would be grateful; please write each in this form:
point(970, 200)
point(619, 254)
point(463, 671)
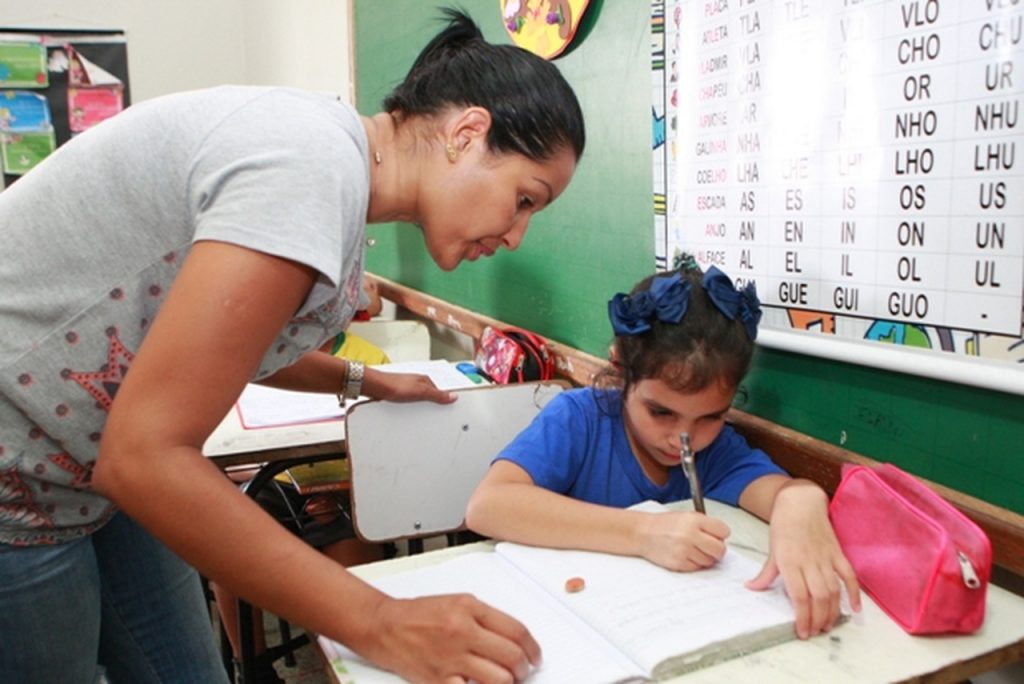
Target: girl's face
point(655, 415)
point(483, 202)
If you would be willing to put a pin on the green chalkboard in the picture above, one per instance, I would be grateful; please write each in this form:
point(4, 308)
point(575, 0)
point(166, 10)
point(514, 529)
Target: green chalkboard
point(597, 236)
point(961, 436)
point(599, 239)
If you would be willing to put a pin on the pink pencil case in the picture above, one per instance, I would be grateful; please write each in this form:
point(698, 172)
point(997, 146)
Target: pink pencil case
point(923, 562)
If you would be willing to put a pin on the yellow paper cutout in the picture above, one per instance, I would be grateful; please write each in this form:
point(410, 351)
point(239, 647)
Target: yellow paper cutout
point(544, 27)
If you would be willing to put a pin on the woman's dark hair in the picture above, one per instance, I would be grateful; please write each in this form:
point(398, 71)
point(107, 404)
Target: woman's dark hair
point(705, 347)
point(533, 109)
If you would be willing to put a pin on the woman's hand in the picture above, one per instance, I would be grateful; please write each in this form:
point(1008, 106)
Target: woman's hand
point(403, 387)
point(374, 307)
point(803, 549)
point(682, 541)
point(451, 639)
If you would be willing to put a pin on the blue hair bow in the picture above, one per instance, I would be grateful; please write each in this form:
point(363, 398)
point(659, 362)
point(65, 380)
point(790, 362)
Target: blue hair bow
point(667, 298)
point(742, 304)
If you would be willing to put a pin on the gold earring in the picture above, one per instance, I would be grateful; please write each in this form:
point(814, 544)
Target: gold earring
point(452, 152)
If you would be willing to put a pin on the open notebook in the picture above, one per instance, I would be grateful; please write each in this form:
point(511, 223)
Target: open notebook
point(633, 621)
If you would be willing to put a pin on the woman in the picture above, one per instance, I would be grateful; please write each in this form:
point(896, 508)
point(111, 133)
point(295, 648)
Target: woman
point(204, 240)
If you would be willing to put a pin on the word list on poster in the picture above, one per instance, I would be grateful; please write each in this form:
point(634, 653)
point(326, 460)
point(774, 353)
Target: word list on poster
point(858, 158)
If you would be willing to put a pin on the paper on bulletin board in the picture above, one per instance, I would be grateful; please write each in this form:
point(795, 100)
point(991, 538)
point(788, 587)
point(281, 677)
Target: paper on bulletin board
point(22, 64)
point(89, 106)
point(26, 130)
point(24, 111)
point(22, 151)
point(94, 94)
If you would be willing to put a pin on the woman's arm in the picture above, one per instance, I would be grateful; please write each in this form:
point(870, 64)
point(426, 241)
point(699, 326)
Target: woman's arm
point(508, 505)
point(222, 313)
point(803, 549)
point(319, 371)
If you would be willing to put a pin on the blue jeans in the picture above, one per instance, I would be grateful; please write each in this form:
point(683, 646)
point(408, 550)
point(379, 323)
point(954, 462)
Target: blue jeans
point(116, 602)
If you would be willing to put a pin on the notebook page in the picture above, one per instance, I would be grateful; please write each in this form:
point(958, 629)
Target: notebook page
point(260, 406)
point(652, 614)
point(444, 373)
point(572, 652)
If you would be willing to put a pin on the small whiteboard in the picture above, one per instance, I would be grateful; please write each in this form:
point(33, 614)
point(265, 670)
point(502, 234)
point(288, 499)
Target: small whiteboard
point(414, 466)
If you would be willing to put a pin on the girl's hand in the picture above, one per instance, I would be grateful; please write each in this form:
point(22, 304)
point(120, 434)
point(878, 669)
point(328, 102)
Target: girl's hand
point(403, 387)
point(803, 549)
point(682, 541)
point(450, 639)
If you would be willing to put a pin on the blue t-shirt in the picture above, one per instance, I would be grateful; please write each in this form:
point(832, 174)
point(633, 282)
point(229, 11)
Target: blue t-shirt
point(577, 446)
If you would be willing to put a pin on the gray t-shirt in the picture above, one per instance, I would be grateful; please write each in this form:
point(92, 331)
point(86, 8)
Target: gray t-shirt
point(92, 239)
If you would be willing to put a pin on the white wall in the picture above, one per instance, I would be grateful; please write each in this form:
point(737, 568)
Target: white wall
point(176, 45)
point(301, 43)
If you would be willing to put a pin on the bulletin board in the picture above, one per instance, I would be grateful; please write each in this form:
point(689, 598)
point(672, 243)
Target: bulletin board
point(862, 164)
point(54, 84)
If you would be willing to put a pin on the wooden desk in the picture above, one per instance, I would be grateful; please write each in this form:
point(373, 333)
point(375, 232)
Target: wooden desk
point(232, 444)
point(868, 648)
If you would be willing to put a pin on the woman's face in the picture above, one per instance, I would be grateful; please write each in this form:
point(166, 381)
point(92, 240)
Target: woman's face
point(481, 202)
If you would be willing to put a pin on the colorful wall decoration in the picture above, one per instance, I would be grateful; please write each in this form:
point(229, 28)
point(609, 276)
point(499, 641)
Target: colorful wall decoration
point(544, 27)
point(54, 85)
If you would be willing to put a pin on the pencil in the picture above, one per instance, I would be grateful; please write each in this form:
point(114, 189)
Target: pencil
point(689, 463)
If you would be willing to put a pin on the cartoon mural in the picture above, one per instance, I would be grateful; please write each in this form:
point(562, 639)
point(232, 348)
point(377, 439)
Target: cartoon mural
point(544, 27)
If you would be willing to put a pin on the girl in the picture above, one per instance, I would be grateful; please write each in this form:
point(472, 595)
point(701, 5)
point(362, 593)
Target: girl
point(158, 262)
point(683, 342)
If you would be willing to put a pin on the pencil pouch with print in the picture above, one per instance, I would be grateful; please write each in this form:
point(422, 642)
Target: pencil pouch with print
point(923, 562)
point(513, 354)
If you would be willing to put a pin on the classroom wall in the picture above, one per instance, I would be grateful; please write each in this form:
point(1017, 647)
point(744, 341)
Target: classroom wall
point(597, 235)
point(598, 239)
point(188, 44)
point(300, 43)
